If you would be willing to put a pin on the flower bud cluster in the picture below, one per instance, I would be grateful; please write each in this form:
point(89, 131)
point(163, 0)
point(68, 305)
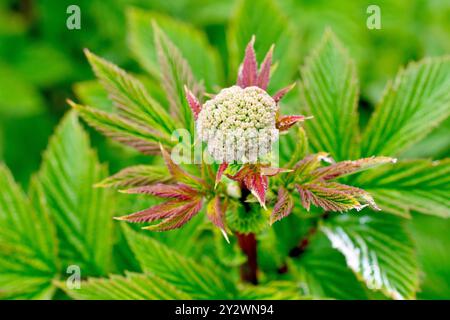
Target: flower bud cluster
point(238, 124)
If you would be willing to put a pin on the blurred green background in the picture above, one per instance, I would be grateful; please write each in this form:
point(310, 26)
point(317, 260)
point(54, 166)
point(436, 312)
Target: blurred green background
point(42, 64)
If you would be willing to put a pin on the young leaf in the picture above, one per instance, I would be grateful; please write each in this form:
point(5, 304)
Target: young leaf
point(412, 105)
point(199, 280)
point(132, 286)
point(136, 176)
point(378, 250)
point(248, 72)
point(348, 167)
point(269, 25)
point(330, 94)
point(330, 196)
point(283, 207)
point(82, 213)
point(122, 130)
point(419, 185)
point(131, 97)
point(28, 261)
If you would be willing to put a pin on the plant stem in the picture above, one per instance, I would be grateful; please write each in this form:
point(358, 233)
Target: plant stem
point(248, 245)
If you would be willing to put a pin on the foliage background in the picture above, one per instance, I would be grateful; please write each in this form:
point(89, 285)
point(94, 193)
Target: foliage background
point(42, 64)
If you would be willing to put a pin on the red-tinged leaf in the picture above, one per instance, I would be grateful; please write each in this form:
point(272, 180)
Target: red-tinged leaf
point(257, 184)
point(254, 181)
point(327, 198)
point(178, 191)
point(193, 102)
point(361, 195)
point(220, 171)
point(157, 212)
point(283, 206)
point(270, 171)
point(215, 211)
point(179, 218)
point(241, 174)
point(136, 176)
point(122, 130)
point(349, 167)
point(264, 70)
point(284, 123)
point(179, 174)
point(280, 94)
point(248, 71)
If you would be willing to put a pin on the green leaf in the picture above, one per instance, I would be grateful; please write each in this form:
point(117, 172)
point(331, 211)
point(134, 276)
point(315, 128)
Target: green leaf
point(378, 250)
point(329, 92)
point(199, 280)
point(321, 272)
point(192, 43)
point(412, 105)
point(82, 213)
point(420, 185)
point(123, 130)
point(176, 75)
point(130, 96)
point(270, 25)
point(28, 261)
point(133, 286)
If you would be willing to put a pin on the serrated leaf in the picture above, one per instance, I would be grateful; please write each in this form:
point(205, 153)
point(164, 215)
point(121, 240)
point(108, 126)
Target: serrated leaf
point(176, 75)
point(270, 25)
point(136, 176)
point(283, 207)
point(215, 212)
point(192, 43)
point(122, 130)
point(132, 286)
point(201, 281)
point(420, 185)
point(378, 250)
point(131, 97)
point(412, 105)
point(329, 92)
point(179, 174)
point(82, 214)
point(328, 197)
point(28, 261)
point(344, 168)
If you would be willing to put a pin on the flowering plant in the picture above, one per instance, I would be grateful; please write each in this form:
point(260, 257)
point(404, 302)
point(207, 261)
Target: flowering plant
point(258, 197)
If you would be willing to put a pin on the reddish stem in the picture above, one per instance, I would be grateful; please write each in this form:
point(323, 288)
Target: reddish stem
point(249, 270)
